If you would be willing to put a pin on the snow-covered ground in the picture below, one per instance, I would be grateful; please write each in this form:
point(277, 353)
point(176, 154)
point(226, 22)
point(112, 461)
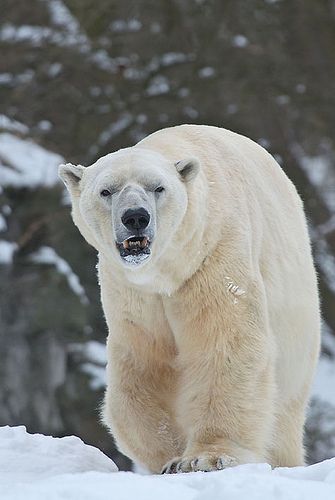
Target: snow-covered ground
point(36, 467)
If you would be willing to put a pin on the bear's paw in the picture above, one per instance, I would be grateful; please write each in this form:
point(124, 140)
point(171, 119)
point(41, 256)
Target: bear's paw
point(206, 462)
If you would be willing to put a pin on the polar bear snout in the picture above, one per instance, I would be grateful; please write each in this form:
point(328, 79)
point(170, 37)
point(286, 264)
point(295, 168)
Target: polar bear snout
point(135, 219)
point(134, 228)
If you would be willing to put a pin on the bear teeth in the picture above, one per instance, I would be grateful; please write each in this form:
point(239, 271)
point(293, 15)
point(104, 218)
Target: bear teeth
point(131, 244)
point(144, 242)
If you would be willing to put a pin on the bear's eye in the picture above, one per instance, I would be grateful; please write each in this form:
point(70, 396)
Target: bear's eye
point(160, 189)
point(105, 193)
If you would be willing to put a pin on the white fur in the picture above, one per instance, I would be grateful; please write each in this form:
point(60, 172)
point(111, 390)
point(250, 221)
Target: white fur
point(215, 338)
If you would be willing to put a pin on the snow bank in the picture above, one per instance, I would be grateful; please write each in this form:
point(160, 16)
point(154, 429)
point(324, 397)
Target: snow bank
point(35, 456)
point(36, 467)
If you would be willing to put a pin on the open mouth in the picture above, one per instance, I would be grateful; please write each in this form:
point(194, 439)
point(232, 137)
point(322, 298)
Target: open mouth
point(134, 250)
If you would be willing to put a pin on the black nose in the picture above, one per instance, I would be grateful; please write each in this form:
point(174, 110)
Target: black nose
point(135, 218)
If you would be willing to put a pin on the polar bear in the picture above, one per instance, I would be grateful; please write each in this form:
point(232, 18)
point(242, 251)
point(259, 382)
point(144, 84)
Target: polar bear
point(210, 295)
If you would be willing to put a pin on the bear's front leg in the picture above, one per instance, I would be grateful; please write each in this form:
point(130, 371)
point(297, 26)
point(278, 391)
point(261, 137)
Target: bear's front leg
point(226, 400)
point(136, 409)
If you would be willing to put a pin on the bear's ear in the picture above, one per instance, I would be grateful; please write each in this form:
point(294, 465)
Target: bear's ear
point(188, 168)
point(71, 175)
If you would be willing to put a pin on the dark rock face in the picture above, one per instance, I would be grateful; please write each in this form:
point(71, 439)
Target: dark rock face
point(84, 78)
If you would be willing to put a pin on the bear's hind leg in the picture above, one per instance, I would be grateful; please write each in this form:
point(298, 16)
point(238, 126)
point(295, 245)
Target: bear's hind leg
point(288, 448)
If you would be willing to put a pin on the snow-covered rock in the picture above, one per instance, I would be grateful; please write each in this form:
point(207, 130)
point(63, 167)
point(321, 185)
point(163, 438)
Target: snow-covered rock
point(36, 467)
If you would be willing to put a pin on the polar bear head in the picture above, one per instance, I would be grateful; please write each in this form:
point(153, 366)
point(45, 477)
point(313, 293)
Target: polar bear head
point(130, 204)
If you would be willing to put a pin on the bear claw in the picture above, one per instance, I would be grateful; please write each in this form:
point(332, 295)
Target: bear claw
point(204, 463)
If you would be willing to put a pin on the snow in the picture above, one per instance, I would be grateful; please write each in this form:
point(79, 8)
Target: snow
point(47, 255)
point(319, 171)
point(206, 72)
point(6, 78)
point(101, 59)
point(300, 88)
point(191, 112)
point(164, 60)
point(97, 375)
point(240, 41)
point(96, 352)
point(26, 164)
point(265, 143)
point(12, 125)
point(55, 69)
point(324, 382)
point(7, 249)
point(155, 28)
point(278, 158)
point(35, 458)
point(328, 227)
point(170, 58)
point(44, 125)
point(328, 340)
point(282, 99)
point(11, 80)
point(183, 92)
point(158, 85)
point(93, 361)
point(62, 17)
point(66, 34)
point(16, 34)
point(36, 467)
point(321, 413)
point(37, 36)
point(121, 25)
point(6, 210)
point(115, 128)
point(326, 261)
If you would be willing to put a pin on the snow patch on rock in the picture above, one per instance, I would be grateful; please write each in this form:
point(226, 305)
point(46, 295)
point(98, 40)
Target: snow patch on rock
point(7, 249)
point(12, 125)
point(26, 164)
point(47, 255)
